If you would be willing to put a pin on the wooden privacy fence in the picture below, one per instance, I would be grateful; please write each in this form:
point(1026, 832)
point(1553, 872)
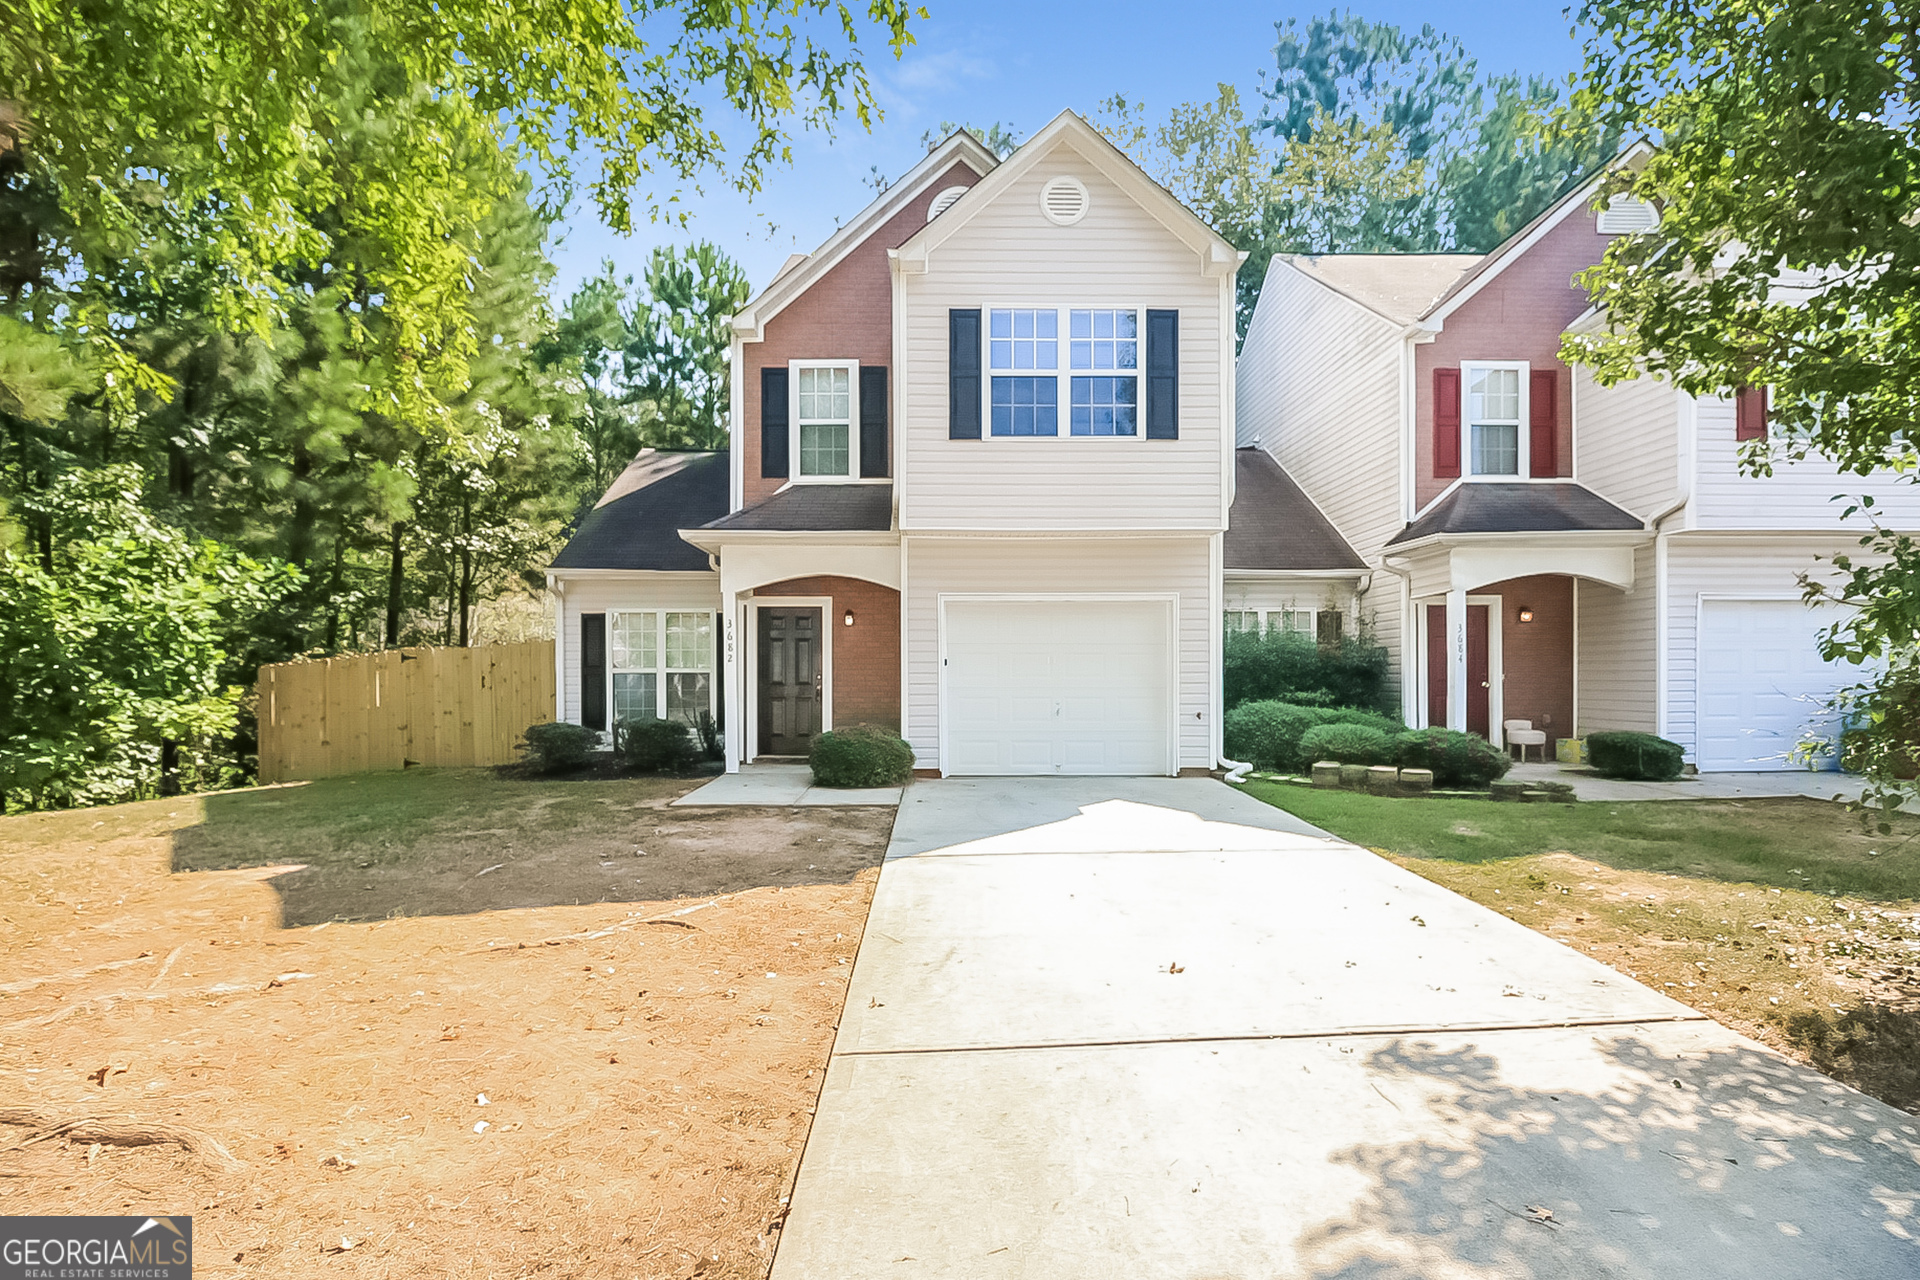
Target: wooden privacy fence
point(404, 707)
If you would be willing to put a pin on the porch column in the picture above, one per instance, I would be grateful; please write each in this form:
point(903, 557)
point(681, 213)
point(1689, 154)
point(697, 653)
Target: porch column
point(732, 667)
point(1457, 659)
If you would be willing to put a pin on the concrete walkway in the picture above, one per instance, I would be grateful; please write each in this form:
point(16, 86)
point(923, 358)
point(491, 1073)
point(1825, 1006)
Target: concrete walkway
point(783, 784)
point(1154, 1028)
point(1588, 785)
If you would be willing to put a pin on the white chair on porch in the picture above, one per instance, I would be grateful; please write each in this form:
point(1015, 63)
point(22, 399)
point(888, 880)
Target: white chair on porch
point(1522, 734)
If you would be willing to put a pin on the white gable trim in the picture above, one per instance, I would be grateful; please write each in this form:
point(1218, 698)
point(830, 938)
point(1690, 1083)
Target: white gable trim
point(1217, 257)
point(793, 280)
point(1579, 198)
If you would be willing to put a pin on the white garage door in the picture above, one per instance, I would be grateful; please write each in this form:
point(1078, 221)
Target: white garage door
point(1762, 683)
point(1067, 686)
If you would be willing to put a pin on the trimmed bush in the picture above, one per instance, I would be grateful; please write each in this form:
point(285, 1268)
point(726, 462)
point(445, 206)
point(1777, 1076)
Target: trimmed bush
point(862, 756)
point(557, 748)
point(1639, 757)
point(1460, 761)
point(1268, 734)
point(655, 746)
point(1347, 743)
point(1292, 668)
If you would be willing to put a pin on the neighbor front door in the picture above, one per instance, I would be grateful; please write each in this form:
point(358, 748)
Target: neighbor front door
point(1479, 678)
point(791, 680)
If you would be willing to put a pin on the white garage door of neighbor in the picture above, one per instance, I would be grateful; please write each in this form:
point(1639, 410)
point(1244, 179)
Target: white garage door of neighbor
point(1059, 686)
point(1762, 683)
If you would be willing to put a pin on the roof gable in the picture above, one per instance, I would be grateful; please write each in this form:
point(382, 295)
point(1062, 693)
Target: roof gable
point(1067, 129)
point(802, 270)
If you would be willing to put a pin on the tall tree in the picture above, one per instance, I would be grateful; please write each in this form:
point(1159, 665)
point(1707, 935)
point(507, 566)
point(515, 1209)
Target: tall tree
point(1787, 257)
point(677, 356)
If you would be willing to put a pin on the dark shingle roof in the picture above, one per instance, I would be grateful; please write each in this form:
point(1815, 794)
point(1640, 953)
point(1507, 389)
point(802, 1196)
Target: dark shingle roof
point(817, 508)
point(1481, 507)
point(1272, 525)
point(637, 524)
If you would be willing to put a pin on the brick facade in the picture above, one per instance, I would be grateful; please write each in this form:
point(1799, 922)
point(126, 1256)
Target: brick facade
point(1537, 655)
point(866, 656)
point(1518, 315)
point(847, 314)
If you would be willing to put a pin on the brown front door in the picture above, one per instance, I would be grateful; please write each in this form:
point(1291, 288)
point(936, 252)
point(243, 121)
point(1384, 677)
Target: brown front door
point(1479, 680)
point(790, 680)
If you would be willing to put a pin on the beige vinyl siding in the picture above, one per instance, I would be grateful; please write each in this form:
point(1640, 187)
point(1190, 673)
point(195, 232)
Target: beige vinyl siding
point(1626, 441)
point(1059, 566)
point(1798, 495)
point(1744, 567)
point(1010, 255)
point(1319, 388)
point(679, 591)
point(1616, 652)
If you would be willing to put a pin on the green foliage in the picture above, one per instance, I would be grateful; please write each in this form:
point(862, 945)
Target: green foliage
point(1001, 139)
point(1288, 667)
point(655, 746)
point(1638, 756)
point(1346, 743)
point(227, 111)
point(116, 657)
point(678, 349)
point(557, 747)
point(1787, 257)
point(861, 756)
point(1269, 734)
point(1369, 139)
point(707, 730)
point(1460, 761)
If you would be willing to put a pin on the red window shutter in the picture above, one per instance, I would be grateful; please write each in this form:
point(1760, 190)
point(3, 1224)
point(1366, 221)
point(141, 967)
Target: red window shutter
point(1446, 423)
point(1750, 413)
point(1543, 422)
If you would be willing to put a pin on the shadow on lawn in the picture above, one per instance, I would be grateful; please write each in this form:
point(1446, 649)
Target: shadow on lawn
point(450, 843)
point(1730, 1162)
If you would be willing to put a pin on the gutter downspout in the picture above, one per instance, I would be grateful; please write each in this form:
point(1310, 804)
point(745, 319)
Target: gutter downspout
point(1660, 620)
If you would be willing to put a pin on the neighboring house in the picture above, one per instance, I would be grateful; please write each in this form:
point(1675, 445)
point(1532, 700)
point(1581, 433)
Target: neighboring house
point(1543, 548)
point(978, 489)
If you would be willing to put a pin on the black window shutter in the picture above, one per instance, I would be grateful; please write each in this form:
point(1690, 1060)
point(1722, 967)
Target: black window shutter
point(773, 423)
point(873, 421)
point(593, 669)
point(1163, 375)
point(963, 374)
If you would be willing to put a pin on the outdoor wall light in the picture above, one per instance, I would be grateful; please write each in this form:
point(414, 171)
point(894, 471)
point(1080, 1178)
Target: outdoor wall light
point(1526, 615)
point(849, 618)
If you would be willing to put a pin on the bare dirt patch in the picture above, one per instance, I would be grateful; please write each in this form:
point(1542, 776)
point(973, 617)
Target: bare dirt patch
point(649, 1069)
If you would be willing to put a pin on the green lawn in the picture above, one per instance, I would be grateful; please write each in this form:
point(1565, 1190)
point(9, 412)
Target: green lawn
point(1792, 843)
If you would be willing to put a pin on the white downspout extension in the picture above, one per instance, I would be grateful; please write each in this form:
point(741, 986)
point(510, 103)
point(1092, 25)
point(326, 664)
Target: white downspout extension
point(1661, 620)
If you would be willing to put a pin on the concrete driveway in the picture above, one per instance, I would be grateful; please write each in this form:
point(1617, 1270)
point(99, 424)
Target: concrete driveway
point(1141, 1028)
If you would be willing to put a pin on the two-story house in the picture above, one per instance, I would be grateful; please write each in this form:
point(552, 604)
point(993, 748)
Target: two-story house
point(979, 488)
point(1543, 548)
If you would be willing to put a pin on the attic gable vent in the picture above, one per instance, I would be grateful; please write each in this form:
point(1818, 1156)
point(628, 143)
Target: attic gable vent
point(1627, 214)
point(1064, 200)
point(944, 201)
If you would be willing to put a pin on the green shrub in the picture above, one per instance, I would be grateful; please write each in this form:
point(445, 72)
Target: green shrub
point(1639, 757)
point(1268, 734)
point(1288, 667)
point(557, 748)
point(861, 756)
point(707, 729)
point(655, 746)
point(1460, 761)
point(1347, 743)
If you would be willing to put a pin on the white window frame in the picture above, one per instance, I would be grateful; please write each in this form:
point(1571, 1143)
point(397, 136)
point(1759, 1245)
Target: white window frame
point(1271, 620)
point(660, 670)
point(1063, 371)
point(852, 473)
point(1523, 463)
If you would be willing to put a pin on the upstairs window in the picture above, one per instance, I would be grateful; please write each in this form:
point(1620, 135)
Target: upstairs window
point(1495, 409)
point(1023, 359)
point(823, 420)
point(1104, 353)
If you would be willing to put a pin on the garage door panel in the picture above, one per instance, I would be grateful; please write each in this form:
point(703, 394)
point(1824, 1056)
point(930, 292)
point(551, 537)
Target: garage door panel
point(1058, 687)
point(1763, 686)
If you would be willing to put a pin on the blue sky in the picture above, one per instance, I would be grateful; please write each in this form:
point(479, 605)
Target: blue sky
point(1022, 63)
